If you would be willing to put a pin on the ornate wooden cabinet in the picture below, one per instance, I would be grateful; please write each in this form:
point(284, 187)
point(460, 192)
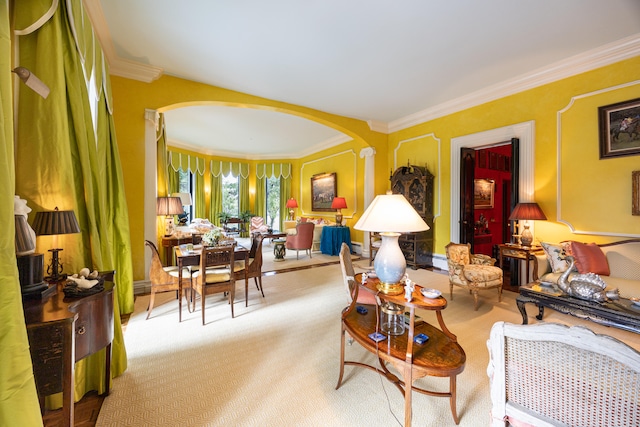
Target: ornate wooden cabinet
point(416, 184)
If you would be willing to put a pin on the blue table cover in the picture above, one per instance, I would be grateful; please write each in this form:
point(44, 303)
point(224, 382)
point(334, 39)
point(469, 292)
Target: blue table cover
point(332, 238)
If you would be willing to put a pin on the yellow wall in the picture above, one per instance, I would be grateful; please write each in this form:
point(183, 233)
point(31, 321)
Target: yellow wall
point(132, 98)
point(596, 194)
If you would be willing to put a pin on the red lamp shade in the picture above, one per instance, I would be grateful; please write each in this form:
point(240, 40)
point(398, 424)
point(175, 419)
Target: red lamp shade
point(339, 203)
point(528, 211)
point(291, 203)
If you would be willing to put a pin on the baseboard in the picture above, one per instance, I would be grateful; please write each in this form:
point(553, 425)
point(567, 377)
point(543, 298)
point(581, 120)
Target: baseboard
point(141, 287)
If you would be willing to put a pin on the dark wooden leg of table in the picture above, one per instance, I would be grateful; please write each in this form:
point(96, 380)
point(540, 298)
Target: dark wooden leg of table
point(107, 369)
point(520, 302)
point(540, 312)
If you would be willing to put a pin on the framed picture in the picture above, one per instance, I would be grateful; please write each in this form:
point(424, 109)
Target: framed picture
point(323, 190)
point(635, 193)
point(620, 129)
point(483, 193)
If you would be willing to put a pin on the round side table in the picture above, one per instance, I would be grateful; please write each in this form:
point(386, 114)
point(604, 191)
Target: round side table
point(279, 250)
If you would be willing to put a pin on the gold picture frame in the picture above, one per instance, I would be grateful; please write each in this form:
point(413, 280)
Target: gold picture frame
point(323, 190)
point(635, 193)
point(483, 190)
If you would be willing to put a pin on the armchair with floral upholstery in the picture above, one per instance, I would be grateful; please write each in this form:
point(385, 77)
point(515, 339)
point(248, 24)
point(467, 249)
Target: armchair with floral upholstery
point(474, 272)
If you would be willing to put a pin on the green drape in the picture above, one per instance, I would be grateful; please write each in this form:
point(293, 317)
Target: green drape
point(18, 397)
point(173, 180)
point(260, 207)
point(200, 205)
point(215, 202)
point(162, 158)
point(243, 194)
point(285, 194)
point(61, 161)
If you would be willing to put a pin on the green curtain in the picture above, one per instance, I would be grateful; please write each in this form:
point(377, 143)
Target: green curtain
point(61, 161)
point(162, 158)
point(243, 194)
point(285, 193)
point(18, 397)
point(215, 202)
point(199, 196)
point(173, 180)
point(260, 207)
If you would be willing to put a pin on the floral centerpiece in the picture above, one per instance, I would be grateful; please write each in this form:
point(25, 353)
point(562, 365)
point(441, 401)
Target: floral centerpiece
point(212, 237)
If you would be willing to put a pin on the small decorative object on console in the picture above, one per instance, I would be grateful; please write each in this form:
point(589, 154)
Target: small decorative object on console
point(212, 237)
point(430, 293)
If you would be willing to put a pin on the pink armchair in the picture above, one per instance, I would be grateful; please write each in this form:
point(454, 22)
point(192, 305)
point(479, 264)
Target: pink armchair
point(303, 239)
point(257, 225)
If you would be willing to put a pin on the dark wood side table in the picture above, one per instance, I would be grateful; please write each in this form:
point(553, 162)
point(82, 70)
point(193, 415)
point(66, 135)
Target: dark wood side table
point(62, 331)
point(525, 253)
point(169, 243)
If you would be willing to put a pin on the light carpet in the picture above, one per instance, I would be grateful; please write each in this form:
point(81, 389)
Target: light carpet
point(277, 362)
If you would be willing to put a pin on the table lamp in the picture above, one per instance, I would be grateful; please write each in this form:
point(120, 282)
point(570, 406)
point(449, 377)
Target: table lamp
point(390, 215)
point(292, 204)
point(186, 201)
point(526, 212)
point(339, 203)
point(53, 223)
point(169, 206)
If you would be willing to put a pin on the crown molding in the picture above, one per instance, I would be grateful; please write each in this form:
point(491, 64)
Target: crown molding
point(605, 55)
point(378, 126)
point(117, 66)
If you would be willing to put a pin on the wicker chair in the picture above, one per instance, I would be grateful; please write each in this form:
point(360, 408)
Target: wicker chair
point(364, 297)
point(215, 274)
point(549, 374)
point(474, 272)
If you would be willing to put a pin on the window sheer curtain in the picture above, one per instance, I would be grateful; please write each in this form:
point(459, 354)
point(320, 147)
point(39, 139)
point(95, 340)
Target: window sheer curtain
point(63, 162)
point(18, 397)
point(265, 171)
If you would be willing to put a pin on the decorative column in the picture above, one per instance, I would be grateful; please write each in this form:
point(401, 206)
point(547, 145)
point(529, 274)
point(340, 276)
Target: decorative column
point(369, 156)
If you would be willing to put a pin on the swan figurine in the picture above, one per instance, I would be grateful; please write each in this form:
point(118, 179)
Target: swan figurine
point(589, 286)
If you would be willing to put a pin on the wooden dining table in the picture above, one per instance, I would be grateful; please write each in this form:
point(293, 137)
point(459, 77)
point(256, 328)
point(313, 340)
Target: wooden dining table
point(189, 259)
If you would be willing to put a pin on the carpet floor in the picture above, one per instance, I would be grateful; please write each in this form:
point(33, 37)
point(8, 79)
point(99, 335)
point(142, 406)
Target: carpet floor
point(277, 362)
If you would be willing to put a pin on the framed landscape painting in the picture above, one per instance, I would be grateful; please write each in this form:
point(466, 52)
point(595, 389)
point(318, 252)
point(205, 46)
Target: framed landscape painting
point(323, 190)
point(620, 129)
point(483, 193)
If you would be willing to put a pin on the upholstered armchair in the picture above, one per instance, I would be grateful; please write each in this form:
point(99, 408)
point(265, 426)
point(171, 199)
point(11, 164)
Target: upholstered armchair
point(474, 272)
point(257, 225)
point(303, 239)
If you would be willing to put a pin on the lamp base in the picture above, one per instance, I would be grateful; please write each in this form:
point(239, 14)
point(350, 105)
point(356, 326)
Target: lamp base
point(526, 238)
point(338, 219)
point(390, 265)
point(169, 228)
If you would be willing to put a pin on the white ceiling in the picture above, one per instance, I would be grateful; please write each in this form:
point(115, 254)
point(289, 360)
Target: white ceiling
point(376, 60)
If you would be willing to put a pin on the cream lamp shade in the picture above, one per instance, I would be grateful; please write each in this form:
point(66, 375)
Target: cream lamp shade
point(184, 197)
point(390, 215)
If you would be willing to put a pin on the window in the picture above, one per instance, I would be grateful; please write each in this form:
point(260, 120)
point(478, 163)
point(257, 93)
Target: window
point(273, 202)
point(230, 199)
point(185, 185)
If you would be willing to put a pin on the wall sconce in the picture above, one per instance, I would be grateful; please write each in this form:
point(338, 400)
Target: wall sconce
point(292, 204)
point(168, 206)
point(53, 223)
point(339, 203)
point(527, 211)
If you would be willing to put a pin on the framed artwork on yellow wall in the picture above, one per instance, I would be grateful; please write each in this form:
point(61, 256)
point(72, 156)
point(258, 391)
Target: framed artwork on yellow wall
point(620, 129)
point(323, 190)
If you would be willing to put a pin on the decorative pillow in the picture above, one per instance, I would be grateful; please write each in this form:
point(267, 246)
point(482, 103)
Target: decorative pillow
point(556, 256)
point(590, 258)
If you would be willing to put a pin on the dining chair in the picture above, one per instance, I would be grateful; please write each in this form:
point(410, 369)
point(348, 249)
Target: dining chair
point(163, 279)
point(253, 269)
point(364, 297)
point(215, 274)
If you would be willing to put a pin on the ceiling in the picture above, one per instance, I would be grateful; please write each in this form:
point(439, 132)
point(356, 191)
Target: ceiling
point(375, 60)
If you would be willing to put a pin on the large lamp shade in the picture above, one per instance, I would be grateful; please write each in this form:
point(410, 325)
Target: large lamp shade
point(168, 207)
point(526, 212)
point(390, 215)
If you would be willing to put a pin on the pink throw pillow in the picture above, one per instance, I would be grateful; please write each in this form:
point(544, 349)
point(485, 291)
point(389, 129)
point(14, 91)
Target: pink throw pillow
point(590, 258)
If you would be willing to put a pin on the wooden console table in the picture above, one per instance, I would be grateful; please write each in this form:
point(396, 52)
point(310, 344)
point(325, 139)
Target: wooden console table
point(62, 331)
point(524, 253)
point(440, 356)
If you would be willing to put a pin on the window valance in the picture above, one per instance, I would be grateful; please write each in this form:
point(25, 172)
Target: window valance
point(218, 168)
point(186, 162)
point(273, 170)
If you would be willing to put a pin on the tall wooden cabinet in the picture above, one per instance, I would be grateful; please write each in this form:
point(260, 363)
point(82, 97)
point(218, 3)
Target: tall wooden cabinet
point(416, 184)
